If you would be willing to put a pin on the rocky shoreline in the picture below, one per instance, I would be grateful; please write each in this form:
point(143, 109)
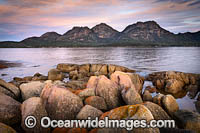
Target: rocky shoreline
point(73, 91)
point(7, 64)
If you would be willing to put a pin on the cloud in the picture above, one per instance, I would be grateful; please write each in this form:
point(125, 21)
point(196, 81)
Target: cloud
point(29, 17)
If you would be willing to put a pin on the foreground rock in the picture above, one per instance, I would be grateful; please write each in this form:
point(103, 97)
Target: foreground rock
point(169, 104)
point(135, 112)
point(33, 107)
point(97, 102)
point(106, 89)
point(157, 111)
point(188, 120)
point(88, 111)
point(9, 89)
point(10, 112)
point(127, 86)
point(60, 103)
point(31, 89)
point(6, 129)
point(128, 80)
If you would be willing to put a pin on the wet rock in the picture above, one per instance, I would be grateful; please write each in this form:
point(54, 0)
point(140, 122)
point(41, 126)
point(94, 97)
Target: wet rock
point(6, 129)
point(89, 111)
point(188, 120)
point(151, 89)
point(33, 107)
point(174, 86)
point(158, 99)
point(60, 103)
point(105, 88)
point(55, 74)
point(10, 112)
point(193, 90)
point(31, 89)
point(147, 96)
point(83, 94)
point(76, 84)
point(157, 111)
point(67, 67)
point(169, 104)
point(97, 102)
point(9, 89)
point(135, 112)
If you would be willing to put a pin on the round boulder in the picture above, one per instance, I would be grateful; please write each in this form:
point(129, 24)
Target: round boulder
point(157, 111)
point(174, 86)
point(33, 107)
point(9, 89)
point(31, 89)
point(10, 112)
point(60, 103)
point(105, 88)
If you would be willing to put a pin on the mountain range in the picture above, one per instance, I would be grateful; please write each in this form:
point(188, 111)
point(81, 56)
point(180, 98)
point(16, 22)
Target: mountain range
point(139, 34)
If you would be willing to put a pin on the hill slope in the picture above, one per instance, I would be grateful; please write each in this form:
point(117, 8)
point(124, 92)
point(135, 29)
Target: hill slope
point(139, 34)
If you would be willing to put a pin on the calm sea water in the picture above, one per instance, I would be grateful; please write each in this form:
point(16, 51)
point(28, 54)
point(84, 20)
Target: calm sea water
point(144, 60)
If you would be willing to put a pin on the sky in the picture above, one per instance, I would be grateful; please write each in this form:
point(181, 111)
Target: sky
point(20, 19)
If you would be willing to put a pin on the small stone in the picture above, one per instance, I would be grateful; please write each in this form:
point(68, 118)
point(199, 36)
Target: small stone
point(147, 96)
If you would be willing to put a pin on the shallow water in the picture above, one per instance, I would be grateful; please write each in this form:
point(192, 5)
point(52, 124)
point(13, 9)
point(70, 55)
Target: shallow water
point(144, 60)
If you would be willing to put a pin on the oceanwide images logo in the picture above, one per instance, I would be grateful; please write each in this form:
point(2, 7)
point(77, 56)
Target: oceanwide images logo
point(46, 122)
